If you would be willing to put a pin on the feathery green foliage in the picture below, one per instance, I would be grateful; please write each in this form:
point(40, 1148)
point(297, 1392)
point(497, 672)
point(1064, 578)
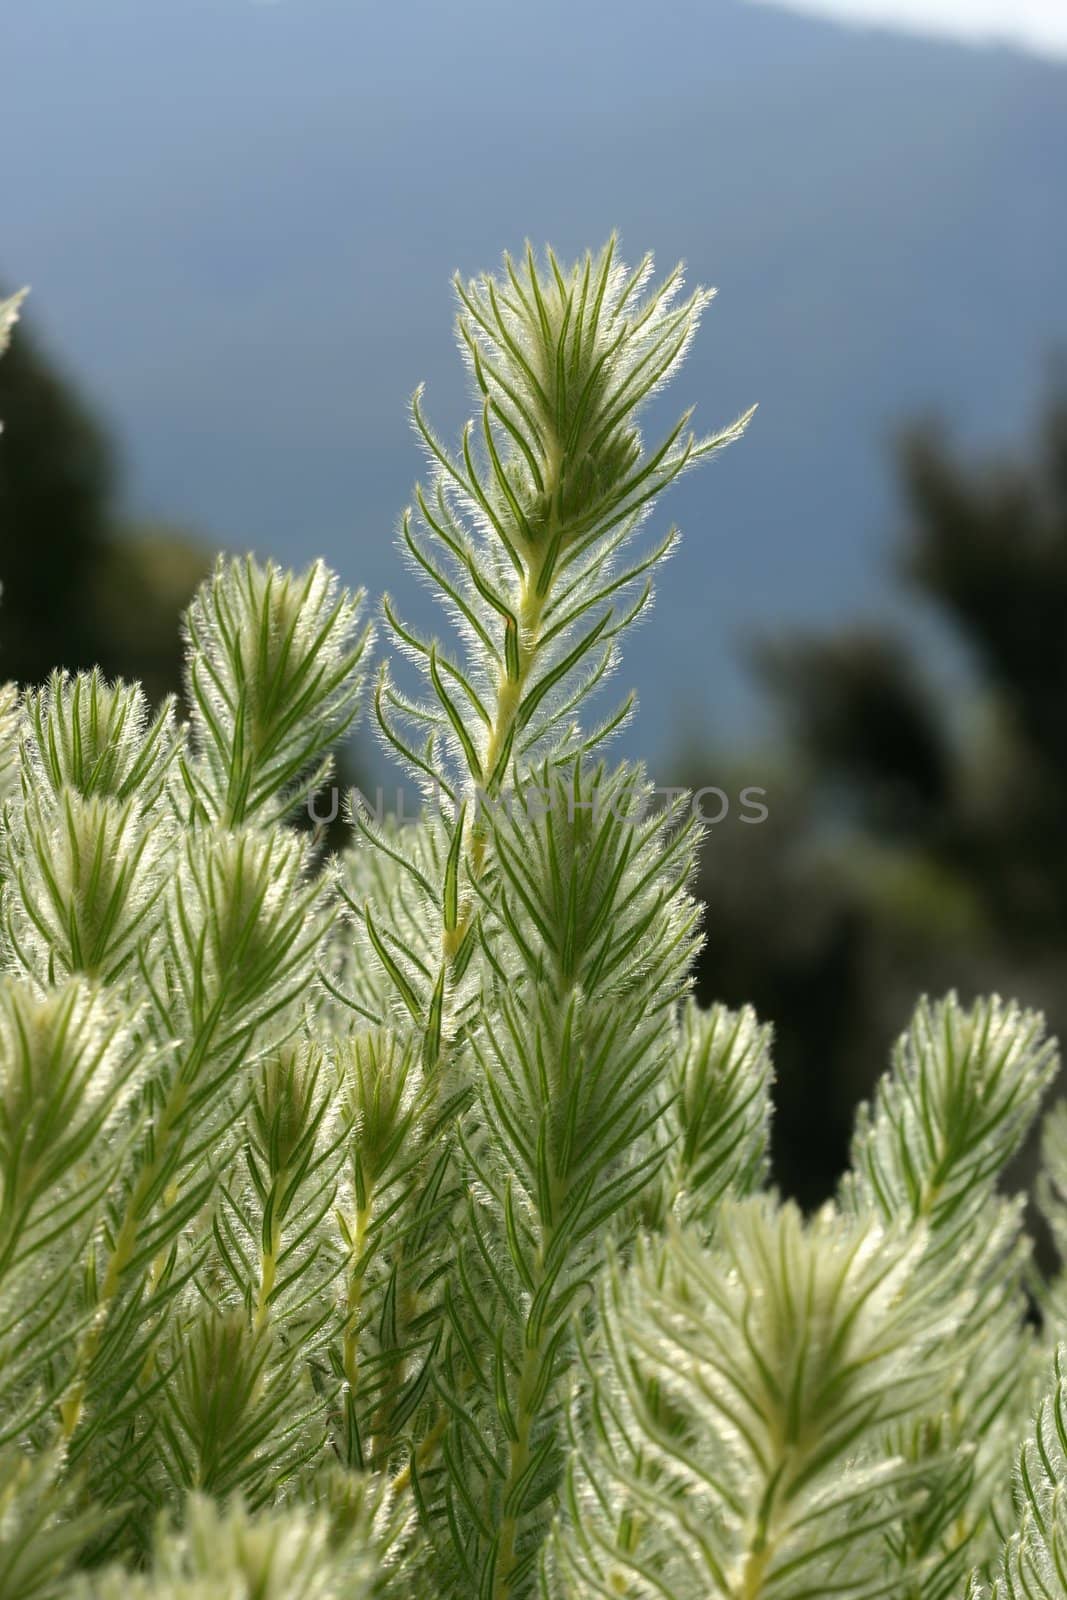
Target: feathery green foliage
point(1034, 1561)
point(395, 1224)
point(731, 1441)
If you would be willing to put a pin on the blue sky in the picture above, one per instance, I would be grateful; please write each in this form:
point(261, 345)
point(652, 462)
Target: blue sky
point(239, 221)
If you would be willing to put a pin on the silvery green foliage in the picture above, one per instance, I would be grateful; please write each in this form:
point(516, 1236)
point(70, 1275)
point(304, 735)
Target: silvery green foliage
point(273, 684)
point(296, 1554)
point(719, 1110)
point(963, 1090)
point(85, 846)
point(396, 1225)
point(43, 1528)
point(9, 723)
point(737, 1449)
point(1034, 1562)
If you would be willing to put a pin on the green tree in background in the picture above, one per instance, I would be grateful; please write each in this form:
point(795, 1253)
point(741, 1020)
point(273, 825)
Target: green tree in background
point(917, 833)
point(80, 587)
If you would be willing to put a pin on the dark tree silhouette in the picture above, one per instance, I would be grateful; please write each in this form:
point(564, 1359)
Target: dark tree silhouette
point(917, 844)
point(57, 481)
point(80, 588)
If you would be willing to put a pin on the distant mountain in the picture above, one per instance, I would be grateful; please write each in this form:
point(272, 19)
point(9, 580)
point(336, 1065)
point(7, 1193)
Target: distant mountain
point(240, 220)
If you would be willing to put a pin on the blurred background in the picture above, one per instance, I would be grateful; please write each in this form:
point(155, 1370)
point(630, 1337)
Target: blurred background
point(239, 221)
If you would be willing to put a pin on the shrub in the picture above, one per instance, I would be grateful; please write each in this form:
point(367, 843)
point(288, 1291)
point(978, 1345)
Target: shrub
point(395, 1224)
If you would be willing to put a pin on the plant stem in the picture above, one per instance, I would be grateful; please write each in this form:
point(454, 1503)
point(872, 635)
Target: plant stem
point(525, 1415)
point(70, 1409)
point(268, 1258)
point(354, 1298)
